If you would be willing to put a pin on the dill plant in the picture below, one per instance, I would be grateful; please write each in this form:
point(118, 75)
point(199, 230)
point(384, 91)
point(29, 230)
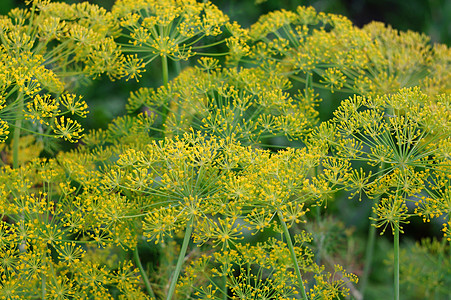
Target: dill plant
point(195, 171)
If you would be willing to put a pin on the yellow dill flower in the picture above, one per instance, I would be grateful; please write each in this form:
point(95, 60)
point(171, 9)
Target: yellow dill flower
point(133, 67)
point(240, 104)
point(398, 139)
point(374, 60)
point(105, 57)
point(42, 109)
point(4, 131)
point(73, 105)
point(333, 79)
point(436, 201)
point(68, 33)
point(61, 288)
point(447, 230)
point(70, 253)
point(168, 29)
point(67, 129)
point(391, 211)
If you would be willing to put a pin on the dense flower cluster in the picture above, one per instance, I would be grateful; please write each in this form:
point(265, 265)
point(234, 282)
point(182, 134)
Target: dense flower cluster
point(373, 60)
point(223, 171)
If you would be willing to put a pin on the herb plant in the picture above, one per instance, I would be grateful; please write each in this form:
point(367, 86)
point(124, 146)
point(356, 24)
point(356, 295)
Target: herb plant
point(223, 180)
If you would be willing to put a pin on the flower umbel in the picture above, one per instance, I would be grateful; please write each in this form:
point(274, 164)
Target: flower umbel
point(68, 129)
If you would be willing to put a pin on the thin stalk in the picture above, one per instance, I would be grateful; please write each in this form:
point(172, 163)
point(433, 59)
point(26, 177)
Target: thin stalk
point(321, 235)
point(178, 267)
point(449, 257)
point(293, 255)
point(396, 262)
point(43, 286)
point(164, 66)
point(16, 139)
point(143, 273)
point(224, 284)
point(369, 251)
point(15, 149)
point(16, 133)
point(165, 69)
point(178, 67)
point(449, 251)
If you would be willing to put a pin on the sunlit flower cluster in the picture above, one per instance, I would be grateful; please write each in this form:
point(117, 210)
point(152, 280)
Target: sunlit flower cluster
point(242, 104)
point(372, 60)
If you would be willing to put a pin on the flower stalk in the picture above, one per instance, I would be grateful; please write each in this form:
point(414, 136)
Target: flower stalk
point(396, 262)
point(293, 255)
point(181, 258)
point(369, 251)
point(143, 272)
point(17, 128)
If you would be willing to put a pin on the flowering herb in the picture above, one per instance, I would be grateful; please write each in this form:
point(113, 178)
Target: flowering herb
point(221, 183)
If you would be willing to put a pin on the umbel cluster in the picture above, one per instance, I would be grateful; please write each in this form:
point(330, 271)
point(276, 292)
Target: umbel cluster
point(226, 174)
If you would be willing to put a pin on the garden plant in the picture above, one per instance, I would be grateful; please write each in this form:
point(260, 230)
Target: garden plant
point(239, 147)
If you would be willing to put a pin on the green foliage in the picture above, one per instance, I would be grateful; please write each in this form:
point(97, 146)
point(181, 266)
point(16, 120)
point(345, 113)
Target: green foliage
point(429, 276)
point(194, 193)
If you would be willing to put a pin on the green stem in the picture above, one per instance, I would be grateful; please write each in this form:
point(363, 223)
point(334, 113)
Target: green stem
point(16, 134)
point(143, 273)
point(43, 286)
point(178, 67)
point(396, 262)
point(314, 173)
point(293, 255)
point(318, 214)
point(369, 251)
point(224, 284)
point(178, 267)
point(449, 257)
point(164, 66)
point(449, 250)
point(321, 235)
point(16, 138)
point(308, 82)
point(165, 69)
